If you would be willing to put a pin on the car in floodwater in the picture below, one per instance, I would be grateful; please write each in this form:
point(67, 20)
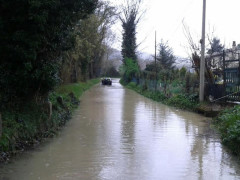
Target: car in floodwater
point(106, 81)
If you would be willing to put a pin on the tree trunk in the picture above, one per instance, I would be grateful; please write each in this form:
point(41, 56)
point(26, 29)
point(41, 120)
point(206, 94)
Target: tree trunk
point(49, 110)
point(91, 70)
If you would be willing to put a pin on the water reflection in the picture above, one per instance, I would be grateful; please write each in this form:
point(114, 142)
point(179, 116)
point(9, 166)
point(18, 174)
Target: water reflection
point(118, 134)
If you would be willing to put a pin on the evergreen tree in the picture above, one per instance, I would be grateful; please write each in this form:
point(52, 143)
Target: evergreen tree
point(166, 57)
point(130, 18)
point(129, 37)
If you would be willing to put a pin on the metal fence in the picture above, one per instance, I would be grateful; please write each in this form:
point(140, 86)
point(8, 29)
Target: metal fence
point(229, 90)
point(232, 84)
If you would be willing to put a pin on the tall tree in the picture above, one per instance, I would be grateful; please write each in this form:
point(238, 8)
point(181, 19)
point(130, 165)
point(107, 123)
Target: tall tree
point(166, 57)
point(130, 17)
point(85, 59)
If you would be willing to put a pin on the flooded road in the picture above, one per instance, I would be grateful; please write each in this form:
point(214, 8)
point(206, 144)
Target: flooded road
point(118, 134)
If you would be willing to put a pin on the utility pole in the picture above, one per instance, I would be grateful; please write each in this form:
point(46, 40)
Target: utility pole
point(155, 58)
point(202, 63)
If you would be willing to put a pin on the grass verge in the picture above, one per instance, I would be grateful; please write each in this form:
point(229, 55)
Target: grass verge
point(182, 101)
point(228, 124)
point(31, 123)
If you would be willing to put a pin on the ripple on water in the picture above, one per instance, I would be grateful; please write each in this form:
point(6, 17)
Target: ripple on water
point(118, 134)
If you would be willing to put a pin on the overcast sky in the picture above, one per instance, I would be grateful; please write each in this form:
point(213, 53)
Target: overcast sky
point(166, 17)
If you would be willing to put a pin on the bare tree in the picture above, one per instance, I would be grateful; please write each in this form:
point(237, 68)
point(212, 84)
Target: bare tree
point(193, 46)
point(195, 55)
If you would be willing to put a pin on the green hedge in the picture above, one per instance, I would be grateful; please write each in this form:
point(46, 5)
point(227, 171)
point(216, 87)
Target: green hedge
point(228, 123)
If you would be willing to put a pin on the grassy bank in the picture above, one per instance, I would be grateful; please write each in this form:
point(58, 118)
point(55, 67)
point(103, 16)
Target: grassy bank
point(31, 123)
point(182, 101)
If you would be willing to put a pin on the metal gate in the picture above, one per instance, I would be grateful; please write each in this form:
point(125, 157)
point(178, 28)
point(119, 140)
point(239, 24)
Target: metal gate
point(231, 79)
point(232, 84)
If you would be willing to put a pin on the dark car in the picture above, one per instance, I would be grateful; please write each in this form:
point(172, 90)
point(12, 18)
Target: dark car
point(106, 81)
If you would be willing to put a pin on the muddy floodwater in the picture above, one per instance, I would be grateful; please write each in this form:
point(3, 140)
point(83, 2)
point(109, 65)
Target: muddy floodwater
point(117, 134)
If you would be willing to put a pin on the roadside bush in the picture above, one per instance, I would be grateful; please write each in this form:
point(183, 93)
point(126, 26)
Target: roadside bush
point(182, 101)
point(24, 124)
point(129, 70)
point(228, 124)
point(31, 123)
point(132, 85)
point(156, 96)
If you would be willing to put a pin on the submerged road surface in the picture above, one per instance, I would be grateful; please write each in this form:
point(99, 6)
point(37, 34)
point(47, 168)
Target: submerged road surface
point(117, 134)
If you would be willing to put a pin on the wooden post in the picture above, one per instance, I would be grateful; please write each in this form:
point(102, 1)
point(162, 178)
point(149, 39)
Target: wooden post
point(50, 109)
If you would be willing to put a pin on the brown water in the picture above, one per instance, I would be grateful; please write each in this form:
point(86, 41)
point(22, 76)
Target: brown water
point(118, 134)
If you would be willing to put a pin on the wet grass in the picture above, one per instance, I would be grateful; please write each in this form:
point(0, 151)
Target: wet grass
point(182, 101)
point(228, 124)
point(76, 88)
point(30, 124)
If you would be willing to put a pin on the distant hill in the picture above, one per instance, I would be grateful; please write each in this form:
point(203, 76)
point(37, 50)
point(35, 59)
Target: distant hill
point(114, 54)
point(115, 57)
point(183, 62)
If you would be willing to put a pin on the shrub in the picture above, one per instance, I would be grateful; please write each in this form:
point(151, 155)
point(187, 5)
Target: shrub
point(129, 70)
point(132, 85)
point(228, 124)
point(30, 123)
point(182, 101)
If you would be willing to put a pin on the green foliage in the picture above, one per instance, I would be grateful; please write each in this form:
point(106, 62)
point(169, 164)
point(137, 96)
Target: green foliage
point(182, 72)
point(176, 87)
point(228, 124)
point(182, 101)
point(129, 70)
point(23, 124)
point(166, 57)
point(156, 96)
point(132, 85)
point(76, 88)
point(152, 67)
point(31, 122)
point(84, 61)
point(129, 20)
point(170, 81)
point(112, 72)
point(33, 33)
point(129, 39)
